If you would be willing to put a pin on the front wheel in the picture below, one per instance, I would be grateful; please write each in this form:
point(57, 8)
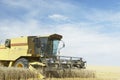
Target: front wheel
point(21, 63)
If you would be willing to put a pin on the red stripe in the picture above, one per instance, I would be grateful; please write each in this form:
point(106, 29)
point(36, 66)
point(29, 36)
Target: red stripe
point(19, 44)
point(3, 48)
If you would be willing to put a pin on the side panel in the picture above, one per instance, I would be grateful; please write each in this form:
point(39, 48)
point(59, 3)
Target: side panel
point(4, 53)
point(19, 47)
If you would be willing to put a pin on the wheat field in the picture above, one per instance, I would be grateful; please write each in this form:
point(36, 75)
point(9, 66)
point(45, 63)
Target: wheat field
point(106, 72)
point(90, 73)
point(101, 73)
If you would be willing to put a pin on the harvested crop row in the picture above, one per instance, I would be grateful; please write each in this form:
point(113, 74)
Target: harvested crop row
point(71, 74)
point(16, 73)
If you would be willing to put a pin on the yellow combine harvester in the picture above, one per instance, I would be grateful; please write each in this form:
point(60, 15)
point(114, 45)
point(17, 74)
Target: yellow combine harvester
point(37, 52)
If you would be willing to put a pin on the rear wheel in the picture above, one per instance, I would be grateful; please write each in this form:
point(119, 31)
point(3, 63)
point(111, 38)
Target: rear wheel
point(21, 63)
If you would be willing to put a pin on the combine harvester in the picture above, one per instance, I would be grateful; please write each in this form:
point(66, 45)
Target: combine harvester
point(38, 52)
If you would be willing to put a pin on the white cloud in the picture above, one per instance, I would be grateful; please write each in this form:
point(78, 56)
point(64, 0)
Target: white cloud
point(88, 42)
point(79, 41)
point(58, 17)
point(108, 16)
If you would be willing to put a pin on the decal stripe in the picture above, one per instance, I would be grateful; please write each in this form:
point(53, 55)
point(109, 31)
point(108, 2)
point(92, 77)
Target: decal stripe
point(3, 48)
point(19, 44)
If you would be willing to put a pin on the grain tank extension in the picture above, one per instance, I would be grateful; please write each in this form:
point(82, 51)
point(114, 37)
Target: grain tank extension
point(34, 51)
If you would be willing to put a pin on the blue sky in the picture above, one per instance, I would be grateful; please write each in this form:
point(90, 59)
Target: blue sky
point(91, 28)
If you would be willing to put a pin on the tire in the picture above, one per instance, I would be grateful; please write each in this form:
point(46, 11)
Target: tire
point(21, 63)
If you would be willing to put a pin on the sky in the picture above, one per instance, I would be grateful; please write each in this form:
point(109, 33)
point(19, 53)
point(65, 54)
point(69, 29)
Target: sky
point(90, 28)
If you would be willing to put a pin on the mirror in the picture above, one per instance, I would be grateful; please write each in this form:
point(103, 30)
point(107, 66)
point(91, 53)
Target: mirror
point(7, 43)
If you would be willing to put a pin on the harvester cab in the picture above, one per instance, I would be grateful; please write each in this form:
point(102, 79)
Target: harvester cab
point(47, 46)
